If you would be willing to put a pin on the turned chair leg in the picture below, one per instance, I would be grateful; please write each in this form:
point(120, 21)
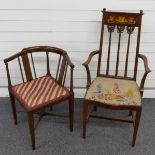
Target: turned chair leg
point(31, 128)
point(85, 118)
point(71, 112)
point(13, 108)
point(95, 108)
point(130, 112)
point(136, 125)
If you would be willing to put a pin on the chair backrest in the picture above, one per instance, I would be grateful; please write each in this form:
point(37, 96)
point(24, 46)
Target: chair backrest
point(119, 24)
point(27, 64)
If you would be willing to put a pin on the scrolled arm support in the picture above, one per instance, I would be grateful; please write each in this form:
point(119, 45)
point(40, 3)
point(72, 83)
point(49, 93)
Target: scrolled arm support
point(86, 63)
point(147, 70)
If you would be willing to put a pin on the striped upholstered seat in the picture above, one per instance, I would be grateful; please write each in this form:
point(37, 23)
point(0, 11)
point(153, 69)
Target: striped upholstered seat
point(39, 92)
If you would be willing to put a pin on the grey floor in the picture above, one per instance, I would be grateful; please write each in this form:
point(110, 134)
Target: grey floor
point(53, 136)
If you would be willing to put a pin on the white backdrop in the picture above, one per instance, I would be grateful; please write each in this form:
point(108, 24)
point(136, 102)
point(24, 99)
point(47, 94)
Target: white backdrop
point(73, 25)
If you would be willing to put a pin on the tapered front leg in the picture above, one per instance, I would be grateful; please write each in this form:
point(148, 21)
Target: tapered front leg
point(13, 108)
point(85, 118)
point(71, 112)
point(51, 108)
point(136, 125)
point(31, 128)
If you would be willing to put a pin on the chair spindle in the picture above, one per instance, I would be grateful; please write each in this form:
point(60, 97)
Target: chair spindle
point(20, 69)
point(110, 30)
point(65, 72)
point(129, 31)
point(33, 65)
point(58, 67)
point(48, 67)
point(120, 29)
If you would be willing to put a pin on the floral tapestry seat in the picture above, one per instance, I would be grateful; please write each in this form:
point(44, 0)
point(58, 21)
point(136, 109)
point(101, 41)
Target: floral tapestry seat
point(114, 92)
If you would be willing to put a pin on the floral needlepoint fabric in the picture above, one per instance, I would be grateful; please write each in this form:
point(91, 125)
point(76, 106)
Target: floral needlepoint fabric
point(114, 91)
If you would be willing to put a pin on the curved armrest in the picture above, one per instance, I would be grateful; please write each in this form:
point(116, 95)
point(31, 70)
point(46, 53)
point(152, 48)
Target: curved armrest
point(69, 61)
point(90, 57)
point(86, 63)
point(147, 70)
point(12, 57)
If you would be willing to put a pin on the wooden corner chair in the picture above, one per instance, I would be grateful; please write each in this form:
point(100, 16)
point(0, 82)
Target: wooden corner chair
point(36, 93)
point(109, 89)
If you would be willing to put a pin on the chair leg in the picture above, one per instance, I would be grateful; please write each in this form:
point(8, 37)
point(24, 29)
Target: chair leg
point(130, 112)
point(51, 108)
point(71, 112)
point(31, 128)
point(13, 108)
point(95, 108)
point(85, 118)
point(136, 125)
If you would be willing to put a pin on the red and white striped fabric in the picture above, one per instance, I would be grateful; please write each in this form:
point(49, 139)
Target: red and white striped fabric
point(39, 92)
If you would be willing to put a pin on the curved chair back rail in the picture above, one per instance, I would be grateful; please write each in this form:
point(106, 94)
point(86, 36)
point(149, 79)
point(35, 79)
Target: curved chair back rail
point(26, 56)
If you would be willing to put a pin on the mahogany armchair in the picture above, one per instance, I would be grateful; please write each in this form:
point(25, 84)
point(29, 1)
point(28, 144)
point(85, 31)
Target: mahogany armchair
point(36, 93)
point(109, 89)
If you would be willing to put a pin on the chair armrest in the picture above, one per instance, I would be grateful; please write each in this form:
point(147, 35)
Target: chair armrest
point(147, 70)
point(12, 57)
point(90, 57)
point(86, 63)
point(6, 61)
point(69, 61)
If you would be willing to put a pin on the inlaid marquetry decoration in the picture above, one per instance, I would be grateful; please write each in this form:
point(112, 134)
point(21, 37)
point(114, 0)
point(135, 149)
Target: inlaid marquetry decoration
point(123, 20)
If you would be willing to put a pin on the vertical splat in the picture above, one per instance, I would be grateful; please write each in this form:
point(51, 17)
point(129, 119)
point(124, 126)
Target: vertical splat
point(62, 69)
point(27, 67)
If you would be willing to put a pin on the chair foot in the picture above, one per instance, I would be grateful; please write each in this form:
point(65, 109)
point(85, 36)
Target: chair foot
point(136, 125)
point(85, 117)
point(13, 108)
point(31, 128)
point(71, 112)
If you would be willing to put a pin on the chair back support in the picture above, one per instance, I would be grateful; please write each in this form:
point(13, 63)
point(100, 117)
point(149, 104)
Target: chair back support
point(119, 24)
point(27, 63)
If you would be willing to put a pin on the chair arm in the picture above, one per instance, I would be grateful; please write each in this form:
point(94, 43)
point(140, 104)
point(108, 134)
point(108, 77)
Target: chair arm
point(90, 57)
point(69, 61)
point(86, 63)
point(147, 70)
point(12, 57)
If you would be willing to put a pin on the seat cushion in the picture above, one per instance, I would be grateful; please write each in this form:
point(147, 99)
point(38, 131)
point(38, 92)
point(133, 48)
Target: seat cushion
point(114, 92)
point(39, 92)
